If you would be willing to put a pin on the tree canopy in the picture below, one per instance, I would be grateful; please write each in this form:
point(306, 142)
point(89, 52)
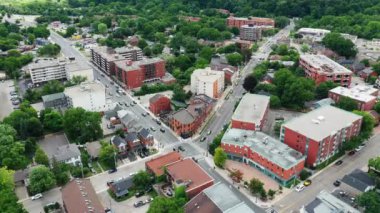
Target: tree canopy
point(41, 180)
point(339, 44)
point(12, 152)
point(220, 157)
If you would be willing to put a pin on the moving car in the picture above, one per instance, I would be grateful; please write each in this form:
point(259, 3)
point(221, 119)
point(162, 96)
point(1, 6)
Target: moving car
point(181, 148)
point(209, 132)
point(126, 104)
point(337, 183)
point(37, 196)
point(339, 162)
point(162, 130)
point(158, 122)
point(138, 204)
point(299, 188)
point(144, 114)
point(359, 148)
point(307, 183)
point(203, 139)
point(153, 129)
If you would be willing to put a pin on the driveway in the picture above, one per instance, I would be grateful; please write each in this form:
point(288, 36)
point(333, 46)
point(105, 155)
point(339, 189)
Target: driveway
point(37, 206)
point(5, 98)
point(51, 143)
point(21, 192)
point(124, 206)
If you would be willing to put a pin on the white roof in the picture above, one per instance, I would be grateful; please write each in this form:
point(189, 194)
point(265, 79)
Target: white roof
point(322, 122)
point(328, 203)
point(313, 30)
point(85, 87)
point(207, 75)
point(251, 108)
point(324, 64)
point(360, 93)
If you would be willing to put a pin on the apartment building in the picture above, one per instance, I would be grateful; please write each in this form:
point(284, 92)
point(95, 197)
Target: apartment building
point(250, 32)
point(130, 52)
point(207, 82)
point(314, 34)
point(47, 70)
point(91, 96)
point(365, 96)
point(258, 21)
point(270, 156)
point(320, 68)
point(251, 113)
point(320, 133)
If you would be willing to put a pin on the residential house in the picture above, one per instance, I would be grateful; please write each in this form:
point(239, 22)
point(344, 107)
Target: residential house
point(121, 186)
point(159, 104)
point(145, 137)
point(68, 154)
point(120, 144)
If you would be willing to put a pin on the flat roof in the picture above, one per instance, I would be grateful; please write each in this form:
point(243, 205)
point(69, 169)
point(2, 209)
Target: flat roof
point(359, 180)
point(251, 108)
point(328, 203)
point(187, 171)
point(53, 97)
point(207, 75)
point(312, 30)
point(157, 164)
point(76, 66)
point(322, 122)
point(85, 87)
point(270, 148)
point(324, 64)
point(45, 63)
point(122, 64)
point(361, 93)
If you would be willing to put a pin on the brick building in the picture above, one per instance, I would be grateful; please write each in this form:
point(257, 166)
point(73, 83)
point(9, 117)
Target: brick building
point(365, 96)
point(134, 74)
point(320, 133)
point(238, 22)
point(270, 156)
point(159, 104)
point(320, 68)
point(156, 165)
point(251, 112)
point(250, 32)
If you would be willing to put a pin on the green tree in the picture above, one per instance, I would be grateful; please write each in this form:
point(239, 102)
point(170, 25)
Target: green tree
point(41, 180)
point(11, 151)
point(142, 179)
point(49, 50)
point(220, 157)
point(271, 193)
point(274, 102)
point(368, 123)
point(377, 107)
point(102, 28)
point(322, 90)
point(60, 171)
point(250, 82)
point(370, 201)
point(180, 192)
point(305, 48)
point(41, 158)
point(8, 198)
point(347, 104)
point(374, 163)
point(234, 59)
point(70, 31)
point(256, 186)
point(107, 154)
point(81, 125)
point(304, 174)
point(53, 121)
point(166, 205)
point(376, 68)
point(339, 44)
point(142, 44)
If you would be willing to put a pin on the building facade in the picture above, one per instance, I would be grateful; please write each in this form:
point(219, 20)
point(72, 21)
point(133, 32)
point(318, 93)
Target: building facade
point(44, 71)
point(91, 96)
point(320, 133)
point(159, 104)
point(250, 32)
point(251, 113)
point(104, 59)
point(365, 96)
point(320, 68)
point(207, 82)
point(238, 22)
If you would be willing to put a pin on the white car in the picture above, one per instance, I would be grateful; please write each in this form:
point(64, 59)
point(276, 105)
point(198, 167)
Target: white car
point(359, 148)
point(299, 188)
point(37, 196)
point(133, 174)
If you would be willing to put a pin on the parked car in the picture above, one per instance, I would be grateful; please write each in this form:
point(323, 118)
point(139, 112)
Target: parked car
point(13, 93)
point(352, 152)
point(359, 148)
point(162, 130)
point(149, 200)
point(169, 193)
point(134, 102)
point(132, 174)
point(144, 114)
point(158, 122)
point(17, 102)
point(153, 129)
point(339, 162)
point(203, 139)
point(112, 171)
point(139, 194)
point(112, 83)
point(123, 93)
point(299, 187)
point(141, 155)
point(138, 204)
point(110, 182)
point(37, 196)
point(337, 183)
point(126, 104)
point(102, 75)
point(181, 148)
point(209, 132)
point(307, 183)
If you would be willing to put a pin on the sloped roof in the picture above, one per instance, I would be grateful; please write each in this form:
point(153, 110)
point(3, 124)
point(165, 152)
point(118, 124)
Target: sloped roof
point(157, 164)
point(66, 152)
point(121, 186)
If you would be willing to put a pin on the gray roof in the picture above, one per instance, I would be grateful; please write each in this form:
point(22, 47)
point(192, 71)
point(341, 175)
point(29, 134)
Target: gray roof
point(93, 148)
point(53, 97)
point(225, 199)
point(144, 132)
point(112, 112)
point(251, 108)
point(136, 64)
point(322, 122)
point(131, 136)
point(46, 63)
point(66, 152)
point(328, 203)
point(359, 180)
point(122, 186)
point(21, 175)
point(117, 141)
point(266, 146)
point(183, 116)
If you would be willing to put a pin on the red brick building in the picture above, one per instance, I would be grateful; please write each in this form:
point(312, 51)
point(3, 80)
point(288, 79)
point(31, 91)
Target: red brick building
point(265, 153)
point(320, 133)
point(320, 68)
point(134, 74)
point(189, 174)
point(159, 104)
point(365, 96)
point(238, 22)
point(251, 113)
point(156, 165)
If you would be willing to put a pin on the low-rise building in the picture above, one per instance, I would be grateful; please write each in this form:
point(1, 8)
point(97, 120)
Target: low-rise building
point(68, 154)
point(120, 144)
point(320, 68)
point(320, 133)
point(220, 63)
point(357, 182)
point(251, 113)
point(121, 186)
point(328, 203)
point(79, 196)
point(250, 32)
point(46, 70)
point(218, 198)
point(207, 82)
point(159, 104)
point(238, 21)
point(365, 96)
point(270, 156)
point(56, 100)
point(189, 174)
point(91, 96)
point(157, 165)
point(314, 34)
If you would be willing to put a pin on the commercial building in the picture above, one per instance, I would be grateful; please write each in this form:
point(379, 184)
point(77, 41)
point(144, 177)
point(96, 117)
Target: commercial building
point(156, 165)
point(189, 174)
point(320, 68)
point(313, 33)
point(328, 203)
point(46, 70)
point(91, 96)
point(365, 96)
point(79, 196)
point(250, 32)
point(238, 22)
point(320, 133)
point(251, 113)
point(207, 82)
point(134, 74)
point(218, 198)
point(270, 156)
point(159, 104)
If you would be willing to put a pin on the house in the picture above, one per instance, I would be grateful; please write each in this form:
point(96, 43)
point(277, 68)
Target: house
point(159, 104)
point(20, 177)
point(79, 196)
point(218, 198)
point(357, 182)
point(319, 134)
point(251, 113)
point(56, 100)
point(187, 173)
point(121, 186)
point(68, 154)
point(366, 73)
point(133, 142)
point(156, 165)
point(145, 137)
point(120, 144)
point(93, 149)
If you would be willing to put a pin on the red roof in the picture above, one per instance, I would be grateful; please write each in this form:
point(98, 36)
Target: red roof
point(188, 171)
point(156, 165)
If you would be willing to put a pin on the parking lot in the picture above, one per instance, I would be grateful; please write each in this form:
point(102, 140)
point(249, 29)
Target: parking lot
point(5, 98)
point(123, 206)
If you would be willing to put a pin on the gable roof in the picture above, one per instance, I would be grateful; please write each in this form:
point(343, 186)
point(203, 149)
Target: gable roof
point(121, 186)
point(66, 152)
point(117, 141)
point(144, 132)
point(156, 165)
point(131, 137)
